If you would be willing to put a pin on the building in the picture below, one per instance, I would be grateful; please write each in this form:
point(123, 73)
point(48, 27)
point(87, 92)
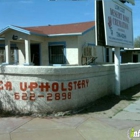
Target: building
point(130, 55)
point(67, 44)
point(30, 84)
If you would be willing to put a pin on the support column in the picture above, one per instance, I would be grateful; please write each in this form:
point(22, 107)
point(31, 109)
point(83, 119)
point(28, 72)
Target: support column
point(16, 56)
point(7, 51)
point(117, 70)
point(27, 52)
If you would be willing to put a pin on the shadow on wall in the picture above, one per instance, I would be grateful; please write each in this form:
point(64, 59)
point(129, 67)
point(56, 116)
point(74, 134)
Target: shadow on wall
point(2, 68)
point(7, 104)
point(9, 107)
point(107, 102)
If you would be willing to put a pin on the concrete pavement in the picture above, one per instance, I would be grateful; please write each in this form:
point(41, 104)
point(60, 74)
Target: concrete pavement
point(76, 127)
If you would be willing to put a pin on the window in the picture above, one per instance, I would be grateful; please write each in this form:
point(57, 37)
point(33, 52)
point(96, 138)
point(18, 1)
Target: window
point(57, 53)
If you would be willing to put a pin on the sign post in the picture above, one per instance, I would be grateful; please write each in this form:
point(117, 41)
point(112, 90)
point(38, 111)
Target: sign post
point(117, 70)
point(116, 32)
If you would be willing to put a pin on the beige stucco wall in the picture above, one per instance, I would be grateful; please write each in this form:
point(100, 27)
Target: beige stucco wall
point(44, 53)
point(100, 50)
point(9, 34)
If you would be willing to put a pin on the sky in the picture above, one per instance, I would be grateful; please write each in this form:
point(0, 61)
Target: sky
point(27, 13)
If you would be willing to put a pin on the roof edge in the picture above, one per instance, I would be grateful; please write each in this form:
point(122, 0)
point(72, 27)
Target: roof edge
point(20, 29)
point(15, 28)
point(37, 34)
point(65, 34)
point(86, 31)
point(58, 24)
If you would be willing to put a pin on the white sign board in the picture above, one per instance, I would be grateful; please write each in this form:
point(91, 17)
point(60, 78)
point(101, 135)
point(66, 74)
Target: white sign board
point(118, 24)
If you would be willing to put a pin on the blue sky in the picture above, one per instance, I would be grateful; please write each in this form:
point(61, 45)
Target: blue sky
point(44, 12)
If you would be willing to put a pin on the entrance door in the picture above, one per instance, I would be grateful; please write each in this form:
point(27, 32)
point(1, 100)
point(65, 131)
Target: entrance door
point(135, 58)
point(35, 54)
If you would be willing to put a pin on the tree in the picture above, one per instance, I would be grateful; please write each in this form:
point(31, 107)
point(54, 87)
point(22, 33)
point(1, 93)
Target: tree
point(137, 42)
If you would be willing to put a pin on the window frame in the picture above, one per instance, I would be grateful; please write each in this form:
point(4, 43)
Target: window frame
point(62, 43)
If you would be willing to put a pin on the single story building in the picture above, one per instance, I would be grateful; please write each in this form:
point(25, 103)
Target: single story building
point(67, 44)
point(28, 81)
point(128, 55)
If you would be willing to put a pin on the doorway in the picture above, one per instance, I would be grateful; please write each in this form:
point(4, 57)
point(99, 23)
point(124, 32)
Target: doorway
point(107, 54)
point(35, 54)
point(135, 58)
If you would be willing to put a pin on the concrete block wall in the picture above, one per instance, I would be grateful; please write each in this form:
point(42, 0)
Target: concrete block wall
point(130, 75)
point(51, 89)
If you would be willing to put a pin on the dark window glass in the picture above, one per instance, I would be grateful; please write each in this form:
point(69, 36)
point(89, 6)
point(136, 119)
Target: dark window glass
point(107, 54)
point(56, 54)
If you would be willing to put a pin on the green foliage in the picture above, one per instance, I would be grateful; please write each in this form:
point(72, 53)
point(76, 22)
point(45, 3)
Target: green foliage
point(137, 42)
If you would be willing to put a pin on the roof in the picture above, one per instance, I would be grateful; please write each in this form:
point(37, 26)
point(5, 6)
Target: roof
point(55, 30)
point(127, 49)
point(132, 49)
point(62, 29)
